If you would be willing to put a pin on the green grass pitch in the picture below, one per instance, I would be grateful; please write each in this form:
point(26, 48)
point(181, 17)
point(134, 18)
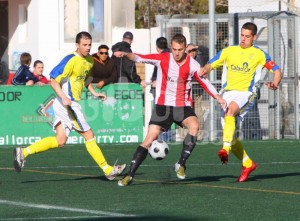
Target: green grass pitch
point(66, 184)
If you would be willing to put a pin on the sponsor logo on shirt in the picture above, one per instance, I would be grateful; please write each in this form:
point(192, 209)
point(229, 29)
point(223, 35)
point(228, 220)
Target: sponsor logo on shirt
point(82, 77)
point(172, 80)
point(243, 68)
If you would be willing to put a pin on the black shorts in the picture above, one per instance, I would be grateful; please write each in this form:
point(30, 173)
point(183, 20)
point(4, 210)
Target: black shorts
point(164, 116)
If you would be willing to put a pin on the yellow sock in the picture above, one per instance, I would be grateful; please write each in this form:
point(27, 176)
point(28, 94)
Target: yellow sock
point(247, 162)
point(96, 153)
point(227, 148)
point(40, 146)
point(228, 132)
point(239, 151)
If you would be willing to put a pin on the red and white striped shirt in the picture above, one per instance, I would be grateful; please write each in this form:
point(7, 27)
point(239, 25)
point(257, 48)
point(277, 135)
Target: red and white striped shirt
point(173, 83)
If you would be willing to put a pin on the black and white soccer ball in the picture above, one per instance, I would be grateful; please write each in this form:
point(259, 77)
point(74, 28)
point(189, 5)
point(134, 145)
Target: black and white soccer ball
point(158, 150)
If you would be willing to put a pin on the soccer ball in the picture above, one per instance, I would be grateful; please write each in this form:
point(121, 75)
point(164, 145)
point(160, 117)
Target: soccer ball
point(158, 150)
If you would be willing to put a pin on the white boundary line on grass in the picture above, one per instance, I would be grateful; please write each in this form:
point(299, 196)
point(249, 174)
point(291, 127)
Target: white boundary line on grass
point(152, 165)
point(62, 208)
point(53, 218)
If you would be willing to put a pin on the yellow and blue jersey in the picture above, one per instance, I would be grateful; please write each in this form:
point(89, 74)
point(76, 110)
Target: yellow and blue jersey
point(71, 73)
point(242, 66)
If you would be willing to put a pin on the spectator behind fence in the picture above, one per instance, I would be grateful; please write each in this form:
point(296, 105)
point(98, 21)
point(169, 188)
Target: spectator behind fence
point(192, 50)
point(4, 72)
point(126, 69)
point(23, 75)
point(199, 53)
point(104, 70)
point(202, 55)
point(161, 47)
point(38, 69)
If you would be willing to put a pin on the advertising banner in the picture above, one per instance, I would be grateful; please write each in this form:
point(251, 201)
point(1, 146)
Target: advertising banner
point(27, 114)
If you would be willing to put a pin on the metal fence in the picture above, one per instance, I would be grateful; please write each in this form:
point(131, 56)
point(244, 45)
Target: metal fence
point(275, 114)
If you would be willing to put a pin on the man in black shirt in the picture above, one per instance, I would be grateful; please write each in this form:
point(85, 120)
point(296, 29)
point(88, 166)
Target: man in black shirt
point(126, 69)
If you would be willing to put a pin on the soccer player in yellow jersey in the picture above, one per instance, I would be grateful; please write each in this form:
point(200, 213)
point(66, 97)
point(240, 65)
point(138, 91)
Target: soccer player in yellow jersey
point(68, 79)
point(242, 65)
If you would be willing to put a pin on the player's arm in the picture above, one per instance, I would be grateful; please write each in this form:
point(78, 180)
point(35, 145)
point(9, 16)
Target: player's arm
point(129, 55)
point(271, 66)
point(211, 90)
point(93, 92)
point(88, 84)
point(132, 57)
point(216, 62)
point(277, 78)
point(153, 59)
point(57, 88)
point(203, 72)
point(221, 101)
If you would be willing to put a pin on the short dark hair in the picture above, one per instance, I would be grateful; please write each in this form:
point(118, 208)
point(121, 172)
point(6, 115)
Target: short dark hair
point(25, 58)
point(250, 26)
point(81, 35)
point(37, 62)
point(128, 35)
point(179, 38)
point(162, 43)
point(103, 46)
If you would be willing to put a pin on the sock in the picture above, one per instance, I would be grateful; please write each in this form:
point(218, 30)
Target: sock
point(247, 162)
point(96, 153)
point(41, 146)
point(138, 157)
point(227, 147)
point(188, 145)
point(239, 151)
point(228, 132)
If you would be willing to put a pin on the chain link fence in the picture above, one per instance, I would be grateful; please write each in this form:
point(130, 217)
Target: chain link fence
point(275, 114)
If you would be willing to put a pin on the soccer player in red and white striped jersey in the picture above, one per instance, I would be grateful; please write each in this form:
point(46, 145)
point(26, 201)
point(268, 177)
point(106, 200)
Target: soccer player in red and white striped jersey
point(172, 103)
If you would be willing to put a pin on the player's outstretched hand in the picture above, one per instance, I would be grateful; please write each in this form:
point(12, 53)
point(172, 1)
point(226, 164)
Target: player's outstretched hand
point(66, 101)
point(271, 86)
point(101, 96)
point(202, 73)
point(143, 84)
point(221, 101)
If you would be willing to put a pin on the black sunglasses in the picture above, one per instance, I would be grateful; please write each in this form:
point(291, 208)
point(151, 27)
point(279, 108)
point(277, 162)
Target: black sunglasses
point(103, 52)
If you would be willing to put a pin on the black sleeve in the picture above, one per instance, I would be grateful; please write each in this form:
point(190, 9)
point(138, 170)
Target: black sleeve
point(130, 69)
point(34, 78)
point(113, 78)
point(154, 74)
